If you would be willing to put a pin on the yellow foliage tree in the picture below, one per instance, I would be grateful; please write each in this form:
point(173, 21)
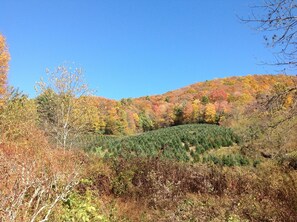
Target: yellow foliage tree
point(87, 114)
point(197, 111)
point(210, 113)
point(289, 101)
point(17, 119)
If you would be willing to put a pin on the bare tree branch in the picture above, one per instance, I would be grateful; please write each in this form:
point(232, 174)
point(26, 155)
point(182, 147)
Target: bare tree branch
point(277, 19)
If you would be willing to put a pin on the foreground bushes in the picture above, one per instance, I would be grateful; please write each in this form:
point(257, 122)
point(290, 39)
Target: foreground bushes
point(167, 191)
point(33, 182)
point(139, 189)
point(33, 177)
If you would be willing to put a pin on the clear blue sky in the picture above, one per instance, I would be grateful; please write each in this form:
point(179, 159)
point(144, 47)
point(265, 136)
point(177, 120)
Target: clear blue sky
point(132, 48)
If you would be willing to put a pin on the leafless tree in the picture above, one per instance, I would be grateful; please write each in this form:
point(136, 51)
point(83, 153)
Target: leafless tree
point(57, 104)
point(277, 19)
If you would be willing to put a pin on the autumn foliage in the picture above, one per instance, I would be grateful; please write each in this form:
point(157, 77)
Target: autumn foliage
point(33, 177)
point(184, 172)
point(4, 59)
point(205, 102)
point(41, 182)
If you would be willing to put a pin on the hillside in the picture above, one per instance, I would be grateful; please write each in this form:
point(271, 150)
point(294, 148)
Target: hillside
point(165, 170)
point(204, 102)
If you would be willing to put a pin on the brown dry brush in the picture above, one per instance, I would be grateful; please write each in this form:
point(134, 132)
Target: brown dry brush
point(33, 176)
point(144, 178)
point(33, 182)
point(162, 186)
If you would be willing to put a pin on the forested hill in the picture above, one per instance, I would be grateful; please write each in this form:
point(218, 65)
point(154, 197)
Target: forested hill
point(204, 102)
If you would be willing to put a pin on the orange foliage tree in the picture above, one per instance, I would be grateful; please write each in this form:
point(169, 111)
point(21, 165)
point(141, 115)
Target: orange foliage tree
point(4, 59)
point(218, 95)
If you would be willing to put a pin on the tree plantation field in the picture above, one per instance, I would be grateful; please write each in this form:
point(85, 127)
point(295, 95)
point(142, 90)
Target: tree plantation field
point(182, 143)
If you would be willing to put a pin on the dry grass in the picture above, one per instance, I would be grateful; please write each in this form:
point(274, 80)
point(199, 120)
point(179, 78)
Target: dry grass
point(157, 190)
point(33, 179)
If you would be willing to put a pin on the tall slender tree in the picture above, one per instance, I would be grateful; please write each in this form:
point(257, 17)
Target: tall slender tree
point(60, 104)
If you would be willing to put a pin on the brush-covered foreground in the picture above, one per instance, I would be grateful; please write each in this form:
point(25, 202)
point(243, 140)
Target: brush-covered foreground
point(45, 184)
point(143, 189)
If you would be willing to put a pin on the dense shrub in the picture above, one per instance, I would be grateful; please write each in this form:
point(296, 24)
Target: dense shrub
point(165, 190)
point(34, 180)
